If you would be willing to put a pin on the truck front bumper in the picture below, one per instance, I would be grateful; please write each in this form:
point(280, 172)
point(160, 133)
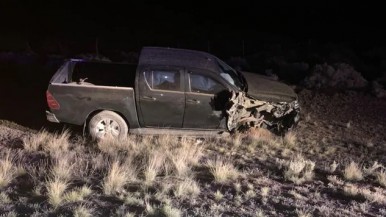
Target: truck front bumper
point(51, 117)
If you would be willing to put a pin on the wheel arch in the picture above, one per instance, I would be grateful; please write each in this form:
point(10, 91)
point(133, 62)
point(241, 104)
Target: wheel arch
point(93, 113)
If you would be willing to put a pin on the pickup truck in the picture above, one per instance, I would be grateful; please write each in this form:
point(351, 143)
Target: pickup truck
point(168, 90)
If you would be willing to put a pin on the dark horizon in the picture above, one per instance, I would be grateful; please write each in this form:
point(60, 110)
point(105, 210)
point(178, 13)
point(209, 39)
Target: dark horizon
point(245, 20)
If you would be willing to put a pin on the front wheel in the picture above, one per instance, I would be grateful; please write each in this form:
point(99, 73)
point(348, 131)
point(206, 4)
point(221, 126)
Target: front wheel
point(107, 124)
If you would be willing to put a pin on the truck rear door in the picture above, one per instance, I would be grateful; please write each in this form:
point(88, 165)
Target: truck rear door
point(161, 97)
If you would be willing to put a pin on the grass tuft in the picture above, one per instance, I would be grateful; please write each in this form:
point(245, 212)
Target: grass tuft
point(381, 178)
point(352, 172)
point(222, 170)
point(333, 167)
point(185, 155)
point(265, 192)
point(83, 211)
point(62, 167)
point(36, 141)
point(9, 214)
point(371, 170)
point(7, 170)
point(58, 143)
point(4, 198)
point(299, 170)
point(187, 188)
point(350, 190)
point(169, 211)
point(78, 194)
point(290, 138)
point(134, 200)
point(218, 195)
point(118, 176)
point(303, 213)
point(55, 190)
point(153, 167)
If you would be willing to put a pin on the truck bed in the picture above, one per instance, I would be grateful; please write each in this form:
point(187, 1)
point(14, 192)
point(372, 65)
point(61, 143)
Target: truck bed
point(77, 102)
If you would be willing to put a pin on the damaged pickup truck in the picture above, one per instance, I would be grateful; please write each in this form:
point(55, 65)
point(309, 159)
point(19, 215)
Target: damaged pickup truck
point(168, 91)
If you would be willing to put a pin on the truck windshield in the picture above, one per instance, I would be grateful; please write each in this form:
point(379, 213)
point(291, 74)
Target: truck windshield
point(229, 74)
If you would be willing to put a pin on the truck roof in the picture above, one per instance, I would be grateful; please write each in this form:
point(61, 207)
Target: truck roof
point(169, 57)
point(177, 57)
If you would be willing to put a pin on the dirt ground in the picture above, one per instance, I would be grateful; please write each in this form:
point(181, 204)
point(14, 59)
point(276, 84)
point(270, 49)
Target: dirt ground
point(351, 121)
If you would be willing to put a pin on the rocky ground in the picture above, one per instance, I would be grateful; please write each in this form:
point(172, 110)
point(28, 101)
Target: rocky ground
point(332, 164)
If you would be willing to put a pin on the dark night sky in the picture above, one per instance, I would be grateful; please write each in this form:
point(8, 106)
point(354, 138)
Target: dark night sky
point(163, 21)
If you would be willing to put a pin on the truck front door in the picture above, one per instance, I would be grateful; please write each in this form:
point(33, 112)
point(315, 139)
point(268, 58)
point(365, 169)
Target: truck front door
point(205, 101)
point(162, 97)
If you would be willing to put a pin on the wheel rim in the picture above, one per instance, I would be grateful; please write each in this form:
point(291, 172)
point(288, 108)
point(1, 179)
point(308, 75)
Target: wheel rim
point(107, 128)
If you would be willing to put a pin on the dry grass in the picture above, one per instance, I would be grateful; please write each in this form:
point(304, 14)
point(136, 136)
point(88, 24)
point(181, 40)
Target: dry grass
point(56, 143)
point(237, 140)
point(381, 178)
point(150, 210)
point(333, 167)
point(169, 211)
point(237, 186)
point(83, 211)
point(351, 190)
point(296, 195)
point(250, 194)
point(352, 172)
point(36, 141)
point(299, 170)
point(374, 197)
point(77, 194)
point(62, 167)
point(290, 138)
point(187, 188)
point(183, 156)
point(260, 134)
point(223, 170)
point(174, 176)
point(303, 213)
point(55, 191)
point(7, 169)
point(153, 166)
point(4, 198)
point(9, 214)
point(335, 180)
point(118, 176)
point(218, 195)
point(264, 192)
point(128, 214)
point(114, 146)
point(259, 213)
point(372, 169)
point(134, 200)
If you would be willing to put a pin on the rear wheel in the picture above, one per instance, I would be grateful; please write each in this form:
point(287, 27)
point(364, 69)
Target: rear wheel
point(107, 124)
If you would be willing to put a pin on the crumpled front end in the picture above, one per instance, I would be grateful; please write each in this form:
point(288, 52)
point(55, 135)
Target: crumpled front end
point(245, 112)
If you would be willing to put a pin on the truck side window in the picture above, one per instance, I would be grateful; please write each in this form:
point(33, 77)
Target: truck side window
point(164, 79)
point(200, 83)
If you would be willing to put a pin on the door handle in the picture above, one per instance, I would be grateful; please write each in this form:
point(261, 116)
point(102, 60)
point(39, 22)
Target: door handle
point(193, 101)
point(149, 98)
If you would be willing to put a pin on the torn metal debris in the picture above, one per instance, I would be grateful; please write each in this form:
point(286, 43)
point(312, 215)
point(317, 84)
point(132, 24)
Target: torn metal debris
point(245, 112)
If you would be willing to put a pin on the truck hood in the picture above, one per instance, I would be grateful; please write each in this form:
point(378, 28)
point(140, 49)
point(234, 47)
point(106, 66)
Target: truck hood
point(264, 88)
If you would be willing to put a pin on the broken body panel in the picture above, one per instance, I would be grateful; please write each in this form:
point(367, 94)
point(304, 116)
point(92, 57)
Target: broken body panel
point(169, 89)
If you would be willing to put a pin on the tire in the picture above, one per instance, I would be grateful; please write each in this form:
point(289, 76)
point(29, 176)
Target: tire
point(107, 124)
